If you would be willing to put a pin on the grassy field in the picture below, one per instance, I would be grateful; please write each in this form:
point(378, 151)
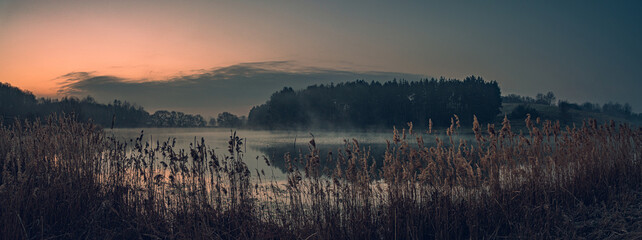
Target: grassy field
point(68, 180)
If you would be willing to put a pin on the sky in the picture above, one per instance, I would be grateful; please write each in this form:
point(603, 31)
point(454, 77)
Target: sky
point(580, 50)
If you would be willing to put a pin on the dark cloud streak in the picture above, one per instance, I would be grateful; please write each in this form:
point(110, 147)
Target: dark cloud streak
point(234, 88)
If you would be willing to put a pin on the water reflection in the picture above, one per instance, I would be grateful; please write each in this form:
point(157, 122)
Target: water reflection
point(328, 153)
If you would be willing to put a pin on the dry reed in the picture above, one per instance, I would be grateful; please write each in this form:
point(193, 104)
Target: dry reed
point(64, 179)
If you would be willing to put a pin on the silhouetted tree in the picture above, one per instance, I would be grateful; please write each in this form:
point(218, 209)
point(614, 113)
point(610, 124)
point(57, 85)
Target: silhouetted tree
point(617, 109)
point(592, 107)
point(514, 98)
point(226, 119)
point(548, 98)
point(165, 118)
point(363, 104)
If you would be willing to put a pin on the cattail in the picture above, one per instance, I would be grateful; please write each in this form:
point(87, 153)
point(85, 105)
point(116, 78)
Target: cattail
point(395, 137)
point(476, 129)
point(506, 129)
point(529, 123)
point(457, 121)
point(491, 130)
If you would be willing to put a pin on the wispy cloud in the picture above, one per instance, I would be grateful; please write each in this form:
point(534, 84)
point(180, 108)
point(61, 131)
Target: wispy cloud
point(234, 88)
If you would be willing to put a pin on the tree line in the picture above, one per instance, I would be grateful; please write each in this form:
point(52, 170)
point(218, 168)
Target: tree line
point(23, 105)
point(610, 108)
point(546, 99)
point(356, 104)
point(370, 105)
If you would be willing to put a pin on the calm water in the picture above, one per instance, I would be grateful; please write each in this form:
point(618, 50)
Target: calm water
point(271, 144)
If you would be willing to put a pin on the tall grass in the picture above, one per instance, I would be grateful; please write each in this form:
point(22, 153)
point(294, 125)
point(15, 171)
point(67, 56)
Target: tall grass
point(64, 179)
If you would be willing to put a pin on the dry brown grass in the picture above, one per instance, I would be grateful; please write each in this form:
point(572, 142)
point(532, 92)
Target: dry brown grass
point(64, 179)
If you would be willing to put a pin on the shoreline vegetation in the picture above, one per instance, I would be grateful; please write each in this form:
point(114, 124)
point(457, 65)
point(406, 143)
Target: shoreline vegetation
point(68, 180)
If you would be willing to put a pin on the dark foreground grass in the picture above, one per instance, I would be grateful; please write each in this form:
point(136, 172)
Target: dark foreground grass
point(68, 180)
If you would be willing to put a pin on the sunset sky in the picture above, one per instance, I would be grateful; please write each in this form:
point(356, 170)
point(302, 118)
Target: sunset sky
point(581, 50)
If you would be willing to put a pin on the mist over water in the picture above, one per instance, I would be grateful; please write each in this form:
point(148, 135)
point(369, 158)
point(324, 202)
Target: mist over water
point(272, 144)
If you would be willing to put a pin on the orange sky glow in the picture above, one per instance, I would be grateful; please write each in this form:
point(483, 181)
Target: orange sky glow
point(40, 46)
